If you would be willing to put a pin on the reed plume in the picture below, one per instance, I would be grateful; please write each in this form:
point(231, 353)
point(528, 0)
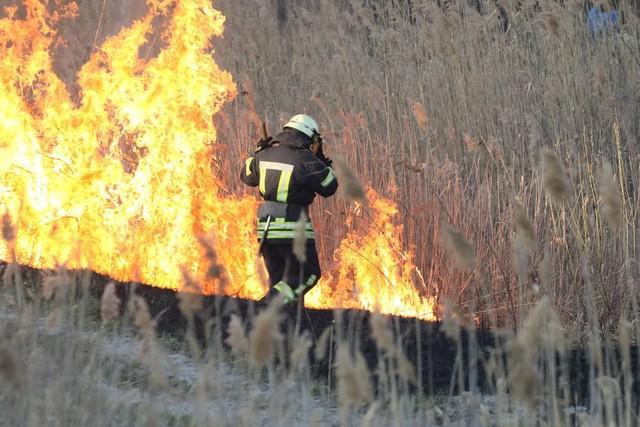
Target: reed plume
point(611, 198)
point(300, 239)
point(350, 186)
point(554, 178)
point(237, 338)
point(265, 337)
point(109, 304)
point(458, 247)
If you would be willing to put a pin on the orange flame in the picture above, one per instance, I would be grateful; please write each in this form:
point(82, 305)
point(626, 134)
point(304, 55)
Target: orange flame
point(120, 181)
point(374, 273)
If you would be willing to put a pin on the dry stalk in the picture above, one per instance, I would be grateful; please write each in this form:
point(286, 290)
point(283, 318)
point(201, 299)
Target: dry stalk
point(385, 341)
point(109, 304)
point(554, 178)
point(454, 319)
point(545, 270)
point(157, 378)
point(53, 321)
point(216, 270)
point(10, 275)
point(370, 415)
point(611, 198)
point(142, 319)
point(419, 114)
point(524, 227)
point(300, 239)
point(611, 395)
point(354, 380)
point(542, 333)
point(150, 354)
point(8, 230)
point(323, 342)
point(55, 283)
point(551, 24)
point(237, 338)
point(382, 334)
point(406, 369)
point(265, 337)
point(190, 299)
point(299, 355)
point(350, 186)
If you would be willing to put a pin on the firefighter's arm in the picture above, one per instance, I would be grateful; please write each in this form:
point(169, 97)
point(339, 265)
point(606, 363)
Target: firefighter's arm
point(322, 179)
point(249, 173)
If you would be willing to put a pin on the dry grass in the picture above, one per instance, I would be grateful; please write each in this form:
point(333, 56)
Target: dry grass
point(445, 108)
point(300, 241)
point(110, 304)
point(265, 338)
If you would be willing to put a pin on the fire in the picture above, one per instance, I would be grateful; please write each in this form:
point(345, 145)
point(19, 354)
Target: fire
point(373, 271)
point(120, 179)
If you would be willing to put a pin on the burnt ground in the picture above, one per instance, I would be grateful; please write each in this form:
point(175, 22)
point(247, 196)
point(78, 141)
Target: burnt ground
point(421, 340)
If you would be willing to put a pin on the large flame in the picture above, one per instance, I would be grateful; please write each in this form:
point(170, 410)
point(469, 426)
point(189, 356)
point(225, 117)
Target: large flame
point(120, 180)
point(373, 271)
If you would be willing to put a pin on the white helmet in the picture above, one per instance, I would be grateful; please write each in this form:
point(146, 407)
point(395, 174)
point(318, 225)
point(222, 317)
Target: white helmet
point(304, 124)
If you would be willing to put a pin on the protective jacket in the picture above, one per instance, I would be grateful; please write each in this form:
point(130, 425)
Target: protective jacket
point(288, 176)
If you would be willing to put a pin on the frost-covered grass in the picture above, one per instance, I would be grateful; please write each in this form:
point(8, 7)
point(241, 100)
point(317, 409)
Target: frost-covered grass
point(68, 359)
point(60, 364)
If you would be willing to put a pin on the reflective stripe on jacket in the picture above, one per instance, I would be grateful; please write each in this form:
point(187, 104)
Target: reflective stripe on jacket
point(289, 172)
point(282, 230)
point(288, 176)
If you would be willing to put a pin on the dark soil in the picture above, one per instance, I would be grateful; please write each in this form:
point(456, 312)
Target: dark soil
point(438, 372)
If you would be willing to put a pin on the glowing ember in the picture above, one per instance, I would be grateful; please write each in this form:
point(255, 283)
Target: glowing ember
point(121, 180)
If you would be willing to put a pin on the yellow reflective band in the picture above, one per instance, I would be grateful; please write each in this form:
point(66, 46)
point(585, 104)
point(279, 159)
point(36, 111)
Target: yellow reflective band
point(285, 290)
point(312, 279)
point(282, 234)
point(263, 180)
point(310, 282)
point(283, 226)
point(287, 234)
point(286, 170)
point(329, 179)
point(247, 166)
point(283, 186)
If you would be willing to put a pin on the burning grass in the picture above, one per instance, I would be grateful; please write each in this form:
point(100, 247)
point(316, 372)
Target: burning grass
point(130, 169)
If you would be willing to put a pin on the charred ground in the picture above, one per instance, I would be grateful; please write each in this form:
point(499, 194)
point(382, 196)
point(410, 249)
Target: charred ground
point(441, 357)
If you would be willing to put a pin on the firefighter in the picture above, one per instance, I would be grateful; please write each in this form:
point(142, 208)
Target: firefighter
point(289, 170)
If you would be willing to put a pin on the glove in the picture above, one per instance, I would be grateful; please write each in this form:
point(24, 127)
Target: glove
point(320, 155)
point(264, 143)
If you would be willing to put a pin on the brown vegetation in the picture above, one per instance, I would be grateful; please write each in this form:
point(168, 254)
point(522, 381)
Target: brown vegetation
point(455, 118)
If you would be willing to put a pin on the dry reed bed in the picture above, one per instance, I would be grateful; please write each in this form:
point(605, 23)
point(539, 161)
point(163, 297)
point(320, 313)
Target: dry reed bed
point(449, 114)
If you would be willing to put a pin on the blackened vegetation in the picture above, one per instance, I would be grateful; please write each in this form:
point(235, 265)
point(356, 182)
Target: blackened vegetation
point(442, 369)
point(423, 341)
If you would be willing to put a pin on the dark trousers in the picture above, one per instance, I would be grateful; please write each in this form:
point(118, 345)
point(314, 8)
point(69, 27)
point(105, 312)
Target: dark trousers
point(283, 266)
